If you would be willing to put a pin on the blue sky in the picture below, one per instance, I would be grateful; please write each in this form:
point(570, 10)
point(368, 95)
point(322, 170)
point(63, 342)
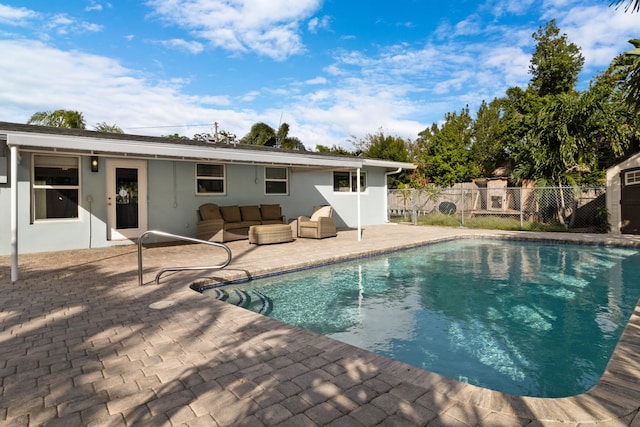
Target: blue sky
point(333, 70)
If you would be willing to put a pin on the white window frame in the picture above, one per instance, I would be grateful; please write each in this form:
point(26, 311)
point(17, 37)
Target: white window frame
point(632, 177)
point(352, 181)
point(285, 180)
point(223, 178)
point(43, 186)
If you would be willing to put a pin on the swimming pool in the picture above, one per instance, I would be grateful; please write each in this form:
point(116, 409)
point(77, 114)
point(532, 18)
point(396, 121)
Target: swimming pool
point(535, 319)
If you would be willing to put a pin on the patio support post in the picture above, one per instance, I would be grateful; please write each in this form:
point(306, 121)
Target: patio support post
point(358, 198)
point(14, 213)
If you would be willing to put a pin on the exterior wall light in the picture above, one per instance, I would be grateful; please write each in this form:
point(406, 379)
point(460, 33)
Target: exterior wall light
point(94, 163)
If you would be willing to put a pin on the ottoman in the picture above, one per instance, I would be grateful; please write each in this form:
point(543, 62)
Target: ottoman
point(270, 233)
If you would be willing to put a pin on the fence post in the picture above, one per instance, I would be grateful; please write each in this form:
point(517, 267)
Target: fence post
point(414, 214)
point(462, 206)
point(521, 215)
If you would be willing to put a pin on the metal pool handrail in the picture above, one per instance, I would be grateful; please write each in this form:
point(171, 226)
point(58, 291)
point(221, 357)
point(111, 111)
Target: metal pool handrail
point(187, 239)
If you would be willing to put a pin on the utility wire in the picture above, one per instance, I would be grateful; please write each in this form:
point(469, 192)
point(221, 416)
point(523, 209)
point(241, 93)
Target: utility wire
point(165, 126)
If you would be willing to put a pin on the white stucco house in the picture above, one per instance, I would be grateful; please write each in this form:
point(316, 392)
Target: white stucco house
point(62, 188)
point(623, 196)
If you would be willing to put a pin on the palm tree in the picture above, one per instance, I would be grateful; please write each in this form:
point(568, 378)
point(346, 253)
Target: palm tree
point(104, 127)
point(632, 5)
point(629, 64)
point(260, 134)
point(263, 134)
point(58, 118)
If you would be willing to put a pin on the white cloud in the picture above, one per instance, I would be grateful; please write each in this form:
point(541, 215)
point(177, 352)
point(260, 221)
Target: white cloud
point(93, 7)
point(37, 77)
point(189, 46)
point(600, 31)
point(16, 16)
point(63, 24)
point(317, 81)
point(470, 26)
point(268, 28)
point(315, 24)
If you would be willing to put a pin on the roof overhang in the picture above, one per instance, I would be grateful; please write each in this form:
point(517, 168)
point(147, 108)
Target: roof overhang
point(210, 152)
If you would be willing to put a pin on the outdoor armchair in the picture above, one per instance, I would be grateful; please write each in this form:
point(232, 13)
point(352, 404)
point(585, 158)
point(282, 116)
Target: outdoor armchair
point(321, 224)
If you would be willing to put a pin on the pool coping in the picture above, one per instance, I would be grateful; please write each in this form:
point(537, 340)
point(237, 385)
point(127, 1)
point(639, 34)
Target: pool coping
point(614, 398)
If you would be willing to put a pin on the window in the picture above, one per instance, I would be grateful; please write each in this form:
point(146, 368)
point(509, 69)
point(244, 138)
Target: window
point(56, 187)
point(345, 182)
point(632, 177)
point(276, 180)
point(210, 178)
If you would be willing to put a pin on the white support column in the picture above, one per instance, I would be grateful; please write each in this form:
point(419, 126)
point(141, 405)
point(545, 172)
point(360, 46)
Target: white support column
point(358, 192)
point(14, 213)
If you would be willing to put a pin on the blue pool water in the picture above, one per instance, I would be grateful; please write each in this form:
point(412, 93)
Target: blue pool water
point(527, 318)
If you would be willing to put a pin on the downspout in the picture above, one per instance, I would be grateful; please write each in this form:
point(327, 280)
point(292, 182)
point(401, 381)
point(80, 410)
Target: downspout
point(358, 198)
point(14, 213)
point(386, 190)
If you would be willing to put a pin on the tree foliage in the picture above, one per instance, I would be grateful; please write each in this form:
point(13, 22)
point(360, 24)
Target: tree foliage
point(556, 63)
point(334, 149)
point(58, 118)
point(628, 65)
point(386, 147)
point(443, 152)
point(263, 134)
point(223, 137)
point(104, 127)
point(629, 5)
point(487, 151)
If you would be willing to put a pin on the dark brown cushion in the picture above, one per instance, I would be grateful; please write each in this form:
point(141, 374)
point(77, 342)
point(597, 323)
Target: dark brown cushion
point(250, 213)
point(270, 212)
point(210, 211)
point(231, 213)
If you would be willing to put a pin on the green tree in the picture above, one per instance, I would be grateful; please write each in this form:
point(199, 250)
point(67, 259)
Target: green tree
point(556, 63)
point(260, 134)
point(58, 118)
point(104, 127)
point(532, 115)
point(632, 5)
point(174, 136)
point(263, 134)
point(443, 153)
point(288, 142)
point(223, 137)
point(487, 151)
point(386, 147)
point(334, 149)
point(628, 65)
point(381, 146)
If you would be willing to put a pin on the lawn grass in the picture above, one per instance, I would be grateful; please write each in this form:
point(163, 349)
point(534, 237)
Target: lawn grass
point(486, 222)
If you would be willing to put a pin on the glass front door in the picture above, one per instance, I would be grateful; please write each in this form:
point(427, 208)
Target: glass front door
point(126, 199)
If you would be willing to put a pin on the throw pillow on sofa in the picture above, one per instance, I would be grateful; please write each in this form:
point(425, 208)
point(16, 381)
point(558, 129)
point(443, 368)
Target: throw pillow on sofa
point(250, 213)
point(231, 213)
point(270, 212)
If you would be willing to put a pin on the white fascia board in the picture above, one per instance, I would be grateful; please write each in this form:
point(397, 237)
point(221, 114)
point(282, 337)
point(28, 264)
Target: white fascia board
point(387, 164)
point(149, 149)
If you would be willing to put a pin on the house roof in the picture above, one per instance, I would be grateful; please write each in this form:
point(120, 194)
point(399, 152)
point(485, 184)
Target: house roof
point(66, 140)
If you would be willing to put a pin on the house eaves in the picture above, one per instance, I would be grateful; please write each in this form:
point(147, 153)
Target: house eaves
point(35, 138)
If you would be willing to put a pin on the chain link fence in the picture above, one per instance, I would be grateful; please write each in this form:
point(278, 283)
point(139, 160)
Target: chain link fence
point(498, 206)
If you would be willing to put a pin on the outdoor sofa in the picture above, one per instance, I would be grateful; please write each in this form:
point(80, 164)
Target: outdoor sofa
point(227, 223)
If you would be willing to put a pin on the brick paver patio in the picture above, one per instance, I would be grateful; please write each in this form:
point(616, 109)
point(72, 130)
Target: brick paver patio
point(82, 344)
